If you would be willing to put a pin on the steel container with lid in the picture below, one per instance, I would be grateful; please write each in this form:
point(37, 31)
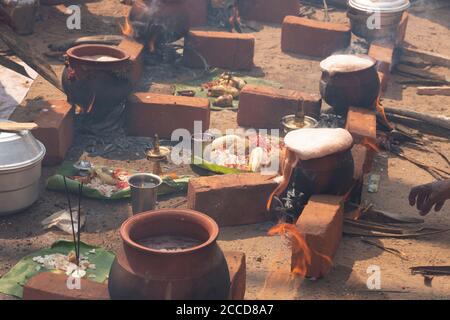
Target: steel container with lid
point(20, 169)
point(376, 19)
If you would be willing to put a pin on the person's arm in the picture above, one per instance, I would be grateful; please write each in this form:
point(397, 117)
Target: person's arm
point(426, 196)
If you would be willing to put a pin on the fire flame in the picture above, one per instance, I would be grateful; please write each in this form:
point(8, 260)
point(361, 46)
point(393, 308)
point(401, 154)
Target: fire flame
point(300, 248)
point(302, 254)
point(382, 113)
point(127, 29)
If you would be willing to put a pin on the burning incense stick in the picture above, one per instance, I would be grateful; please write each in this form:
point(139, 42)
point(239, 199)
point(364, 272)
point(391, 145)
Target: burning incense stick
point(71, 216)
point(80, 193)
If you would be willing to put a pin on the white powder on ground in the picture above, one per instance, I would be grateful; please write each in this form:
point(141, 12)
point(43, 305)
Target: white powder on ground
point(346, 63)
point(317, 143)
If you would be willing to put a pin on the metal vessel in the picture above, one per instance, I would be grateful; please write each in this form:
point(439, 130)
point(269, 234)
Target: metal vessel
point(376, 19)
point(20, 169)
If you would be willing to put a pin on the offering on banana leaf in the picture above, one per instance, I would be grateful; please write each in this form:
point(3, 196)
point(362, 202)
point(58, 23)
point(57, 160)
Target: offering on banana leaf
point(106, 180)
point(223, 101)
point(250, 153)
point(227, 84)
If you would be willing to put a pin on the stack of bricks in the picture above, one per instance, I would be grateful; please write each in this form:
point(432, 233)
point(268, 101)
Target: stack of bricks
point(264, 107)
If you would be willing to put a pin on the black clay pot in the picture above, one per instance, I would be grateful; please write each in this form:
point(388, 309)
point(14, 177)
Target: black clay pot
point(355, 83)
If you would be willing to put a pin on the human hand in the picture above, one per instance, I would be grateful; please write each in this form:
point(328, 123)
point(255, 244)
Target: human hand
point(424, 197)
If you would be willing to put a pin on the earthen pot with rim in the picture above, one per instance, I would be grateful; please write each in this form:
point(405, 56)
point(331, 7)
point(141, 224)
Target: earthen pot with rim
point(196, 273)
point(349, 81)
point(97, 85)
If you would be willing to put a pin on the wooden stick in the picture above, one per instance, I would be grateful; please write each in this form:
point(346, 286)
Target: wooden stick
point(434, 91)
point(29, 56)
point(432, 57)
point(405, 69)
point(11, 126)
point(437, 120)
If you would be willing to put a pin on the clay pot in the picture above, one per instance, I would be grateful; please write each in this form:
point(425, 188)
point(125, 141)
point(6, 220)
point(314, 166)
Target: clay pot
point(104, 84)
point(159, 21)
point(352, 86)
point(197, 273)
point(332, 174)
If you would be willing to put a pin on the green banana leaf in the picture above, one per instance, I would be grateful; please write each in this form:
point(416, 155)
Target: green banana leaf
point(12, 283)
point(56, 183)
point(202, 93)
point(201, 163)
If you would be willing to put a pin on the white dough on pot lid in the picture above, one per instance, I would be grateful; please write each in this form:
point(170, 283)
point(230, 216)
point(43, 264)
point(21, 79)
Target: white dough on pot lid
point(318, 142)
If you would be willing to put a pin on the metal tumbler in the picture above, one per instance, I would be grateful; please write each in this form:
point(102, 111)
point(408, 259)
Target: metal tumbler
point(144, 187)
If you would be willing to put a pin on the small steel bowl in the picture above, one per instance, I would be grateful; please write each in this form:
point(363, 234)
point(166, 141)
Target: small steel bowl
point(288, 123)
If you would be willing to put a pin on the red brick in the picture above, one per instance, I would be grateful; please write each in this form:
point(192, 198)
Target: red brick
point(314, 38)
point(55, 129)
point(220, 49)
point(321, 224)
point(198, 12)
point(359, 153)
point(238, 274)
point(135, 50)
point(52, 286)
point(401, 30)
point(383, 52)
point(272, 11)
point(362, 123)
point(264, 107)
point(150, 113)
point(231, 200)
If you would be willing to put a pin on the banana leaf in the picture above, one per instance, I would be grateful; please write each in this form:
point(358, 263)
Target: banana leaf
point(196, 86)
point(56, 183)
point(214, 167)
point(12, 283)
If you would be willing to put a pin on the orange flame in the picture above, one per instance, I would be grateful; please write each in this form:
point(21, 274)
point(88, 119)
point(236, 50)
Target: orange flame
point(127, 29)
point(300, 248)
point(290, 161)
point(382, 113)
point(302, 254)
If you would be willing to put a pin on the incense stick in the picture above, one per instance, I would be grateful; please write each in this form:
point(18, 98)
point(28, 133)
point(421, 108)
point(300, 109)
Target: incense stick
point(70, 212)
point(80, 193)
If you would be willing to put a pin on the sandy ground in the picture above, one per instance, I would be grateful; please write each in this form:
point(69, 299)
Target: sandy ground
point(267, 257)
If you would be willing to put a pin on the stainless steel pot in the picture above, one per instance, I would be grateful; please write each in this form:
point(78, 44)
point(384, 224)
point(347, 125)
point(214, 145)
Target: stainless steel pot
point(362, 12)
point(20, 169)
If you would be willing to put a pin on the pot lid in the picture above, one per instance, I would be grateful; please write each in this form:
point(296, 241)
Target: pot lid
point(318, 143)
point(18, 150)
point(380, 5)
point(347, 63)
